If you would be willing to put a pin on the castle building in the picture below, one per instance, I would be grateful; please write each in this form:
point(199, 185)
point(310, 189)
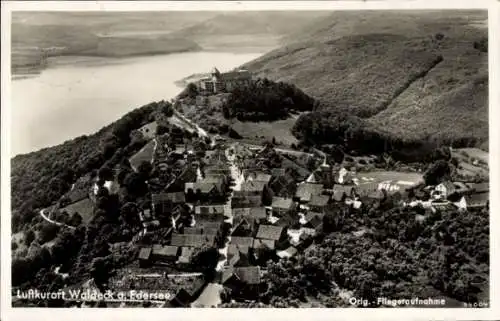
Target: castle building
point(219, 82)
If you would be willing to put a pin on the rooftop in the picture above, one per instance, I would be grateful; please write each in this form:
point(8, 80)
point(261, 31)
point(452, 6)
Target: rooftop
point(269, 232)
point(282, 203)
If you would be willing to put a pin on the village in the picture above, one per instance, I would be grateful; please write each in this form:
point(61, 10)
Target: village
point(216, 203)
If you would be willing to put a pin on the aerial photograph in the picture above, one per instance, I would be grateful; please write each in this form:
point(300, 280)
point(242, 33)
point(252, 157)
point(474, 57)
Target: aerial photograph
point(249, 159)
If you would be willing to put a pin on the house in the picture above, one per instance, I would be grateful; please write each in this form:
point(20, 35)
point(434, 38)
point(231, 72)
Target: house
point(186, 255)
point(243, 281)
point(314, 225)
point(165, 253)
point(281, 205)
point(340, 192)
point(188, 294)
point(252, 187)
point(144, 256)
point(239, 200)
point(218, 82)
point(318, 203)
point(443, 190)
point(477, 200)
point(243, 226)
point(343, 177)
point(188, 175)
point(262, 243)
point(256, 176)
point(165, 202)
point(366, 188)
point(210, 228)
point(242, 241)
point(210, 210)
point(287, 253)
point(206, 190)
point(271, 232)
point(237, 257)
point(306, 190)
point(192, 240)
point(253, 212)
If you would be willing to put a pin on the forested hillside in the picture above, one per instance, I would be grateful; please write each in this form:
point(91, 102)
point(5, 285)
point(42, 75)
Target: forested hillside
point(416, 75)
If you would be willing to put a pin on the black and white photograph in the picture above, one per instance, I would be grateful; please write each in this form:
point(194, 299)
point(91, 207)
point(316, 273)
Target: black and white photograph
point(266, 158)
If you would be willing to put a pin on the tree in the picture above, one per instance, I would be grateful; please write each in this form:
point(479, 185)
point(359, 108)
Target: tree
point(206, 258)
point(76, 219)
point(105, 174)
point(29, 236)
point(145, 169)
point(100, 269)
point(437, 172)
point(167, 109)
point(47, 232)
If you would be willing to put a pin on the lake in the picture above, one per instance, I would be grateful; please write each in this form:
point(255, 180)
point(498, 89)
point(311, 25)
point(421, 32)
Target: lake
point(79, 95)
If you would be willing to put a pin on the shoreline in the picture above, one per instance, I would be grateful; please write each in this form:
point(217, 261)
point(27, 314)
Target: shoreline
point(29, 70)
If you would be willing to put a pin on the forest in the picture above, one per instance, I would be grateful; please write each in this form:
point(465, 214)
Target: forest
point(358, 136)
point(398, 256)
point(265, 100)
point(40, 178)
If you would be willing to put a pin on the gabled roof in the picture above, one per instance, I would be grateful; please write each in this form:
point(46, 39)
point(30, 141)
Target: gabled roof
point(144, 253)
point(306, 190)
point(319, 200)
point(206, 188)
point(233, 248)
point(249, 274)
point(282, 203)
point(254, 212)
point(269, 232)
point(193, 240)
point(209, 209)
point(246, 201)
point(261, 243)
point(340, 190)
point(448, 185)
point(165, 250)
point(315, 222)
point(253, 186)
point(186, 254)
point(242, 241)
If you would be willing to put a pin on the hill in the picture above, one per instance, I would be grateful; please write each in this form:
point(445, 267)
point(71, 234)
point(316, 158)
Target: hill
point(246, 30)
point(416, 74)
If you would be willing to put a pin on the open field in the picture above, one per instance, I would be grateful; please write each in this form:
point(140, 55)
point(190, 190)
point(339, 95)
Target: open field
point(396, 180)
point(144, 155)
point(149, 130)
point(280, 130)
point(84, 207)
point(472, 154)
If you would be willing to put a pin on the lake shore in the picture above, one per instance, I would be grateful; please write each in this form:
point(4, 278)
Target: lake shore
point(78, 95)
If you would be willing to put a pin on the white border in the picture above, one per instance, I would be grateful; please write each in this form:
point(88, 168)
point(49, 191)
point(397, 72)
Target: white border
point(491, 313)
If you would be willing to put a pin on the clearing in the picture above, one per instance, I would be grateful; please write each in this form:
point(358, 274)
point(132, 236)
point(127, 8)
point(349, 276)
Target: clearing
point(281, 130)
point(144, 155)
point(84, 207)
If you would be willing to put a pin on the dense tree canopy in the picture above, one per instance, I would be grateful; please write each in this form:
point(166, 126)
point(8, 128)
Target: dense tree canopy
point(266, 100)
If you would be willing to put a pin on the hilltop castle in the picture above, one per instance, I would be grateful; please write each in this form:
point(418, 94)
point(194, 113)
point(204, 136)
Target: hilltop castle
point(219, 82)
